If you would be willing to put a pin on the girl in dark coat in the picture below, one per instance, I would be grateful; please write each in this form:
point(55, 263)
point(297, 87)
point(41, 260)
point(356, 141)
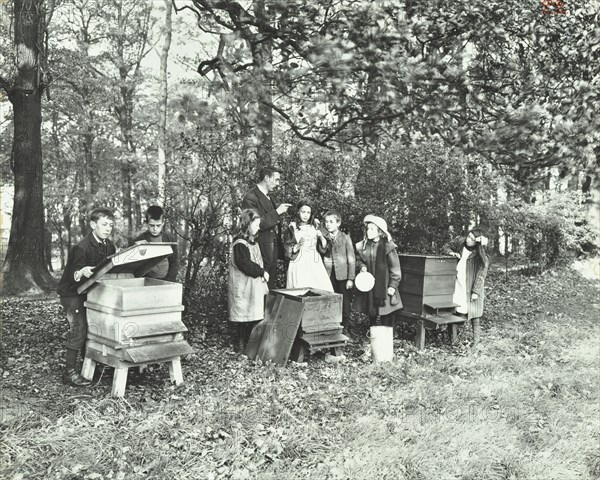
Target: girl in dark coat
point(472, 268)
point(378, 255)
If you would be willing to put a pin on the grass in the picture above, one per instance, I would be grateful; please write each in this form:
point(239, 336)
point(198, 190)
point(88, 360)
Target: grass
point(524, 404)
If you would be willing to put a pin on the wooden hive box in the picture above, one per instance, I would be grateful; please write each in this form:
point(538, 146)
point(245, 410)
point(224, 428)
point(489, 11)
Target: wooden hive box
point(427, 291)
point(312, 314)
point(427, 280)
point(133, 321)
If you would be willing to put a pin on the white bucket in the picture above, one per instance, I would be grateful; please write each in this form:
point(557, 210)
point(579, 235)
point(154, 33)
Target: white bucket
point(382, 343)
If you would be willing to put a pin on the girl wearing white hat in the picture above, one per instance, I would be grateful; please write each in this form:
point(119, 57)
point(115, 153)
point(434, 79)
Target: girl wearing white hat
point(378, 255)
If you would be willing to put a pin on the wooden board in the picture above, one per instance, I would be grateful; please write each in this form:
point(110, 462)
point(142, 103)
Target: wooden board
point(135, 293)
point(104, 354)
point(121, 329)
point(272, 304)
point(318, 311)
point(136, 342)
point(439, 304)
point(444, 319)
point(152, 310)
point(137, 260)
point(323, 310)
point(334, 340)
point(279, 332)
point(418, 284)
point(429, 321)
point(320, 336)
point(319, 327)
point(428, 264)
point(118, 358)
point(415, 303)
point(156, 352)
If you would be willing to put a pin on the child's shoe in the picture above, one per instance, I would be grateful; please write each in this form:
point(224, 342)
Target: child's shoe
point(72, 378)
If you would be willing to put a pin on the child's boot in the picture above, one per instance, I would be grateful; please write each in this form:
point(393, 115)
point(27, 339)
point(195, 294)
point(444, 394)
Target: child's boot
point(236, 336)
point(70, 375)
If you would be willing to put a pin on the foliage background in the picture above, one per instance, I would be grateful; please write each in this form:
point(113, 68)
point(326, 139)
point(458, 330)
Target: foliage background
point(437, 116)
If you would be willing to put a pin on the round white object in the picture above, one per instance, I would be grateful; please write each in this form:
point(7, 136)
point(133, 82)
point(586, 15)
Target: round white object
point(364, 281)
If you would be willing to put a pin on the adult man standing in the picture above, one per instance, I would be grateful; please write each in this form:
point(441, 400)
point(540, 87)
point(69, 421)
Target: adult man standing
point(270, 211)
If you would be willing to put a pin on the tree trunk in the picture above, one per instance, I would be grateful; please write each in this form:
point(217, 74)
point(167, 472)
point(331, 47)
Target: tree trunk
point(61, 245)
point(24, 268)
point(126, 190)
point(88, 176)
point(262, 55)
point(371, 137)
point(82, 219)
point(68, 225)
point(162, 116)
point(125, 108)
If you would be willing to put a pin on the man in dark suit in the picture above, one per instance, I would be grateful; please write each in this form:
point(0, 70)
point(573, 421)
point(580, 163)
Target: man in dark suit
point(270, 211)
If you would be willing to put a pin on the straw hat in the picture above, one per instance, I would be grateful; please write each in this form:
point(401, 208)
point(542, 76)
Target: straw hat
point(379, 222)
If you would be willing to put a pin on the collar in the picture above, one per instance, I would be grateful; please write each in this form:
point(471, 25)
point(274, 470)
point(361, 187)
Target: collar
point(96, 240)
point(265, 193)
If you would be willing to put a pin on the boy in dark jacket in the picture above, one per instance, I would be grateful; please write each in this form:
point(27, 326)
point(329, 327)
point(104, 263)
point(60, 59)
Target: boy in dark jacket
point(84, 256)
point(166, 269)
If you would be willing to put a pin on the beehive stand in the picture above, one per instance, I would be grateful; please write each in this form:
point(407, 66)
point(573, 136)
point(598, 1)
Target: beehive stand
point(133, 322)
point(426, 289)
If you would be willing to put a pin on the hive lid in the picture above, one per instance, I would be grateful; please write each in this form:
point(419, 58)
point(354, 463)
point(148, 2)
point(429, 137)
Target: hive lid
point(137, 259)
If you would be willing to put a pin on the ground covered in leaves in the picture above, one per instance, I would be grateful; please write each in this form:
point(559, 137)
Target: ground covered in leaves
point(524, 404)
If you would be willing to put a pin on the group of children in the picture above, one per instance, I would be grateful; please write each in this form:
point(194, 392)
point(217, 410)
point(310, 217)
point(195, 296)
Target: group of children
point(319, 258)
point(84, 257)
point(326, 259)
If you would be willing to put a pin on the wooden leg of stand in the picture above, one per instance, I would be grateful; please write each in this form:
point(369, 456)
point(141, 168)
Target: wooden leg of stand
point(453, 333)
point(175, 371)
point(420, 340)
point(119, 381)
point(88, 369)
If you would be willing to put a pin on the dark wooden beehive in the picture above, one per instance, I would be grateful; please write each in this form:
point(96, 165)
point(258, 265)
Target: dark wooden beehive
point(427, 281)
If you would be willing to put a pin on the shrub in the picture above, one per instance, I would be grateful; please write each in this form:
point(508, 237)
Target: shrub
point(425, 192)
point(551, 231)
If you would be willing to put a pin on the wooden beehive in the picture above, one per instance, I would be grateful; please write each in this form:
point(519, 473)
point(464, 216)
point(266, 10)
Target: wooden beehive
point(133, 321)
point(427, 291)
point(427, 280)
point(310, 316)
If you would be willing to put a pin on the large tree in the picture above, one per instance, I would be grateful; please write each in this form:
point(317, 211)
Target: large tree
point(24, 266)
point(492, 76)
point(162, 103)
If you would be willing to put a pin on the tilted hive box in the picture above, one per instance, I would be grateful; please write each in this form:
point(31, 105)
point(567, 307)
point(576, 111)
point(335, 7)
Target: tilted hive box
point(306, 318)
point(133, 321)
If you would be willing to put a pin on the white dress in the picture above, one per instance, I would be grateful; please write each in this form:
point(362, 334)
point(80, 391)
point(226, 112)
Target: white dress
point(460, 288)
point(307, 268)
